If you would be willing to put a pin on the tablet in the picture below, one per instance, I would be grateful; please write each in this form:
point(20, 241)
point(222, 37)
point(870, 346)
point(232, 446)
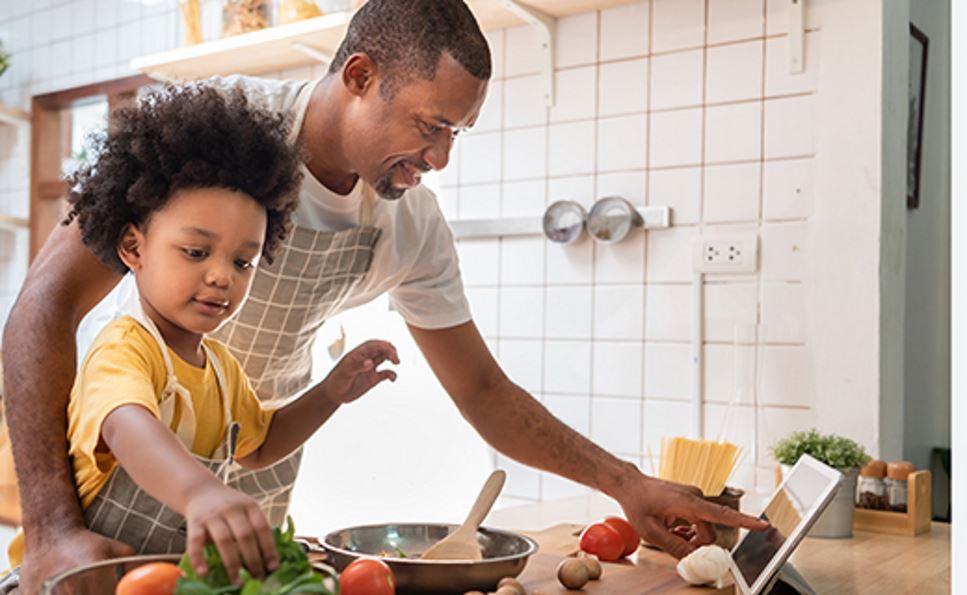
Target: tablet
point(793, 509)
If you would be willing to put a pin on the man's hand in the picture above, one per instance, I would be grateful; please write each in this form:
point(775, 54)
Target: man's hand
point(43, 558)
point(653, 505)
point(236, 525)
point(356, 373)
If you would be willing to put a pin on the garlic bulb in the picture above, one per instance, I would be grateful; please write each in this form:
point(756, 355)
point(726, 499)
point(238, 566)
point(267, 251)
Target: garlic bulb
point(706, 565)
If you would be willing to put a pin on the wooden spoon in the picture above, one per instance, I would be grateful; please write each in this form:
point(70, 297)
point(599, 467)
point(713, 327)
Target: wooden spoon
point(462, 543)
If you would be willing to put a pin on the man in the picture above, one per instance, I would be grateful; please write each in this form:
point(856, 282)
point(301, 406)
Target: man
point(409, 77)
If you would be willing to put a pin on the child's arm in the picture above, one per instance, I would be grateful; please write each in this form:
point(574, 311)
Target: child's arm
point(354, 375)
point(156, 461)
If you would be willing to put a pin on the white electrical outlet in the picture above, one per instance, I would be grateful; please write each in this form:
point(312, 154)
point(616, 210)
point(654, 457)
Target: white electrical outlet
point(726, 254)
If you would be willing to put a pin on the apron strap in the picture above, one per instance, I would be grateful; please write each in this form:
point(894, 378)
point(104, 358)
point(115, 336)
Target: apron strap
point(222, 384)
point(299, 109)
point(173, 390)
point(368, 206)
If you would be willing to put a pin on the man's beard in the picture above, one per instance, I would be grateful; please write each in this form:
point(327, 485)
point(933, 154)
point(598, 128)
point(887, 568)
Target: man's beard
point(385, 189)
point(384, 184)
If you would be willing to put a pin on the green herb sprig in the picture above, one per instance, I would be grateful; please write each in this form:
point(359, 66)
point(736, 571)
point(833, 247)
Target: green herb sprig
point(294, 574)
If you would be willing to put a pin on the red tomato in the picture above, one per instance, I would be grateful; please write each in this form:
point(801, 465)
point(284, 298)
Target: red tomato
point(367, 576)
point(628, 534)
point(157, 578)
point(603, 541)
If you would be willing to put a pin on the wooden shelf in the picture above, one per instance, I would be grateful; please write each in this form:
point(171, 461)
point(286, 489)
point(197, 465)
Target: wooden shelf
point(249, 53)
point(12, 115)
point(492, 15)
point(9, 221)
point(275, 48)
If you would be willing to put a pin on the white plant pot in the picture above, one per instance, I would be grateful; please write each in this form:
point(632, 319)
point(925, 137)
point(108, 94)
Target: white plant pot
point(836, 522)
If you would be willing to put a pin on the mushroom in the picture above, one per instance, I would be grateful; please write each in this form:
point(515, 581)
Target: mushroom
point(591, 561)
point(573, 573)
point(509, 582)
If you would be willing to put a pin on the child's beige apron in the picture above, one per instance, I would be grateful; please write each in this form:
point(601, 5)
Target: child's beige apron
point(125, 512)
point(122, 510)
point(272, 335)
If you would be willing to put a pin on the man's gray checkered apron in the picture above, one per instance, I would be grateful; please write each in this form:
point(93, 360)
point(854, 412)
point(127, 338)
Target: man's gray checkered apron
point(272, 335)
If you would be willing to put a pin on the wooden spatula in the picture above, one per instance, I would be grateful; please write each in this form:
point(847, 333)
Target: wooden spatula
point(462, 543)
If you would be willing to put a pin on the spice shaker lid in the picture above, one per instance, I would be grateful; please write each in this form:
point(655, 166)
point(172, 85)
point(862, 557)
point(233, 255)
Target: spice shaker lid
point(899, 470)
point(875, 468)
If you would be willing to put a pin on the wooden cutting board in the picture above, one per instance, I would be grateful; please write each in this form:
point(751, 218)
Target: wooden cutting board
point(647, 571)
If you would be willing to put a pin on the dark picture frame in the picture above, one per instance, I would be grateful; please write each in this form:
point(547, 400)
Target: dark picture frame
point(917, 89)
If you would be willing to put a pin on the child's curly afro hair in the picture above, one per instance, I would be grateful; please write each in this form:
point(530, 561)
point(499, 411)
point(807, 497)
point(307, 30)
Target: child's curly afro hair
point(192, 136)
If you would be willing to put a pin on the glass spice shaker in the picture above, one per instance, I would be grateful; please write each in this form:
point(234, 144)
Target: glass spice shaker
point(871, 487)
point(242, 16)
point(896, 484)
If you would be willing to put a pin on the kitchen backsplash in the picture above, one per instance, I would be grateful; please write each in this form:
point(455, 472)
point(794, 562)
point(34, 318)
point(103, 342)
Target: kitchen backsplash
point(684, 103)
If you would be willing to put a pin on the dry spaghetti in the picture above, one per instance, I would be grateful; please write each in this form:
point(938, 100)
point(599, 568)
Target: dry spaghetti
point(705, 464)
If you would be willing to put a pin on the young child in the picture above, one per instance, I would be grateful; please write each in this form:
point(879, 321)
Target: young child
point(188, 192)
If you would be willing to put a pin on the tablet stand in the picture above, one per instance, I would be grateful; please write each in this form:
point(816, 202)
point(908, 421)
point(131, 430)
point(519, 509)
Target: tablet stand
point(788, 581)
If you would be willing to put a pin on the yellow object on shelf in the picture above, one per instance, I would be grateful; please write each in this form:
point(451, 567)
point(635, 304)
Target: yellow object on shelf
point(705, 464)
point(191, 18)
point(291, 11)
point(243, 16)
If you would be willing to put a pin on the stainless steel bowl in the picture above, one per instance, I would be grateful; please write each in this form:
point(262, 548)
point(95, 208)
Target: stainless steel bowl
point(504, 554)
point(100, 578)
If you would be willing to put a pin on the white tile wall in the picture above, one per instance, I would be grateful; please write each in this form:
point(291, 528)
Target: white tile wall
point(676, 79)
point(615, 424)
point(676, 138)
point(623, 87)
point(577, 40)
point(568, 312)
point(575, 94)
point(733, 132)
point(734, 72)
point(624, 32)
point(671, 102)
point(523, 199)
point(617, 368)
point(730, 20)
point(568, 369)
point(678, 24)
point(525, 153)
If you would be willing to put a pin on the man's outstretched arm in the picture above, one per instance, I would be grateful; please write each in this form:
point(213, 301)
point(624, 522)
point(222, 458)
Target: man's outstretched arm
point(517, 425)
point(65, 281)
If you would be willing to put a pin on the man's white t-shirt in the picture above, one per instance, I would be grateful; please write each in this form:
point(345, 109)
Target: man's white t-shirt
point(415, 259)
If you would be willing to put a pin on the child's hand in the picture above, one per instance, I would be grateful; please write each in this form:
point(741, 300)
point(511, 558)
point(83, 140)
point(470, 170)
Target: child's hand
point(356, 372)
point(236, 525)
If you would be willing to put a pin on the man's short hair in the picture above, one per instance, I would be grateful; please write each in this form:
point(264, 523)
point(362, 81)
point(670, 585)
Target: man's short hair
point(405, 39)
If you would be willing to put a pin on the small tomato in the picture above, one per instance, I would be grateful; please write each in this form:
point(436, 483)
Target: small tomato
point(628, 534)
point(367, 576)
point(156, 578)
point(603, 541)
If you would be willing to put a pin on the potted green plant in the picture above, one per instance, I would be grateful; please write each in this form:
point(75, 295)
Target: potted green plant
point(838, 452)
point(4, 59)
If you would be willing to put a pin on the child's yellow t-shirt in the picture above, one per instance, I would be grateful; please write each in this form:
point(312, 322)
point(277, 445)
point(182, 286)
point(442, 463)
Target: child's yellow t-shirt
point(123, 367)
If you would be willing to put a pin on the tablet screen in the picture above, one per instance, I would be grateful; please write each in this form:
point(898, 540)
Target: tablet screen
point(803, 491)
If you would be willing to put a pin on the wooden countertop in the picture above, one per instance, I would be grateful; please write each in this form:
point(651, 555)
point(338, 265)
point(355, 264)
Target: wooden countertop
point(866, 564)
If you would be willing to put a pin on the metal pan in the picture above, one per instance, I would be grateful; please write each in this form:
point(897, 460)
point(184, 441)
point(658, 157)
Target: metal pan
point(505, 554)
